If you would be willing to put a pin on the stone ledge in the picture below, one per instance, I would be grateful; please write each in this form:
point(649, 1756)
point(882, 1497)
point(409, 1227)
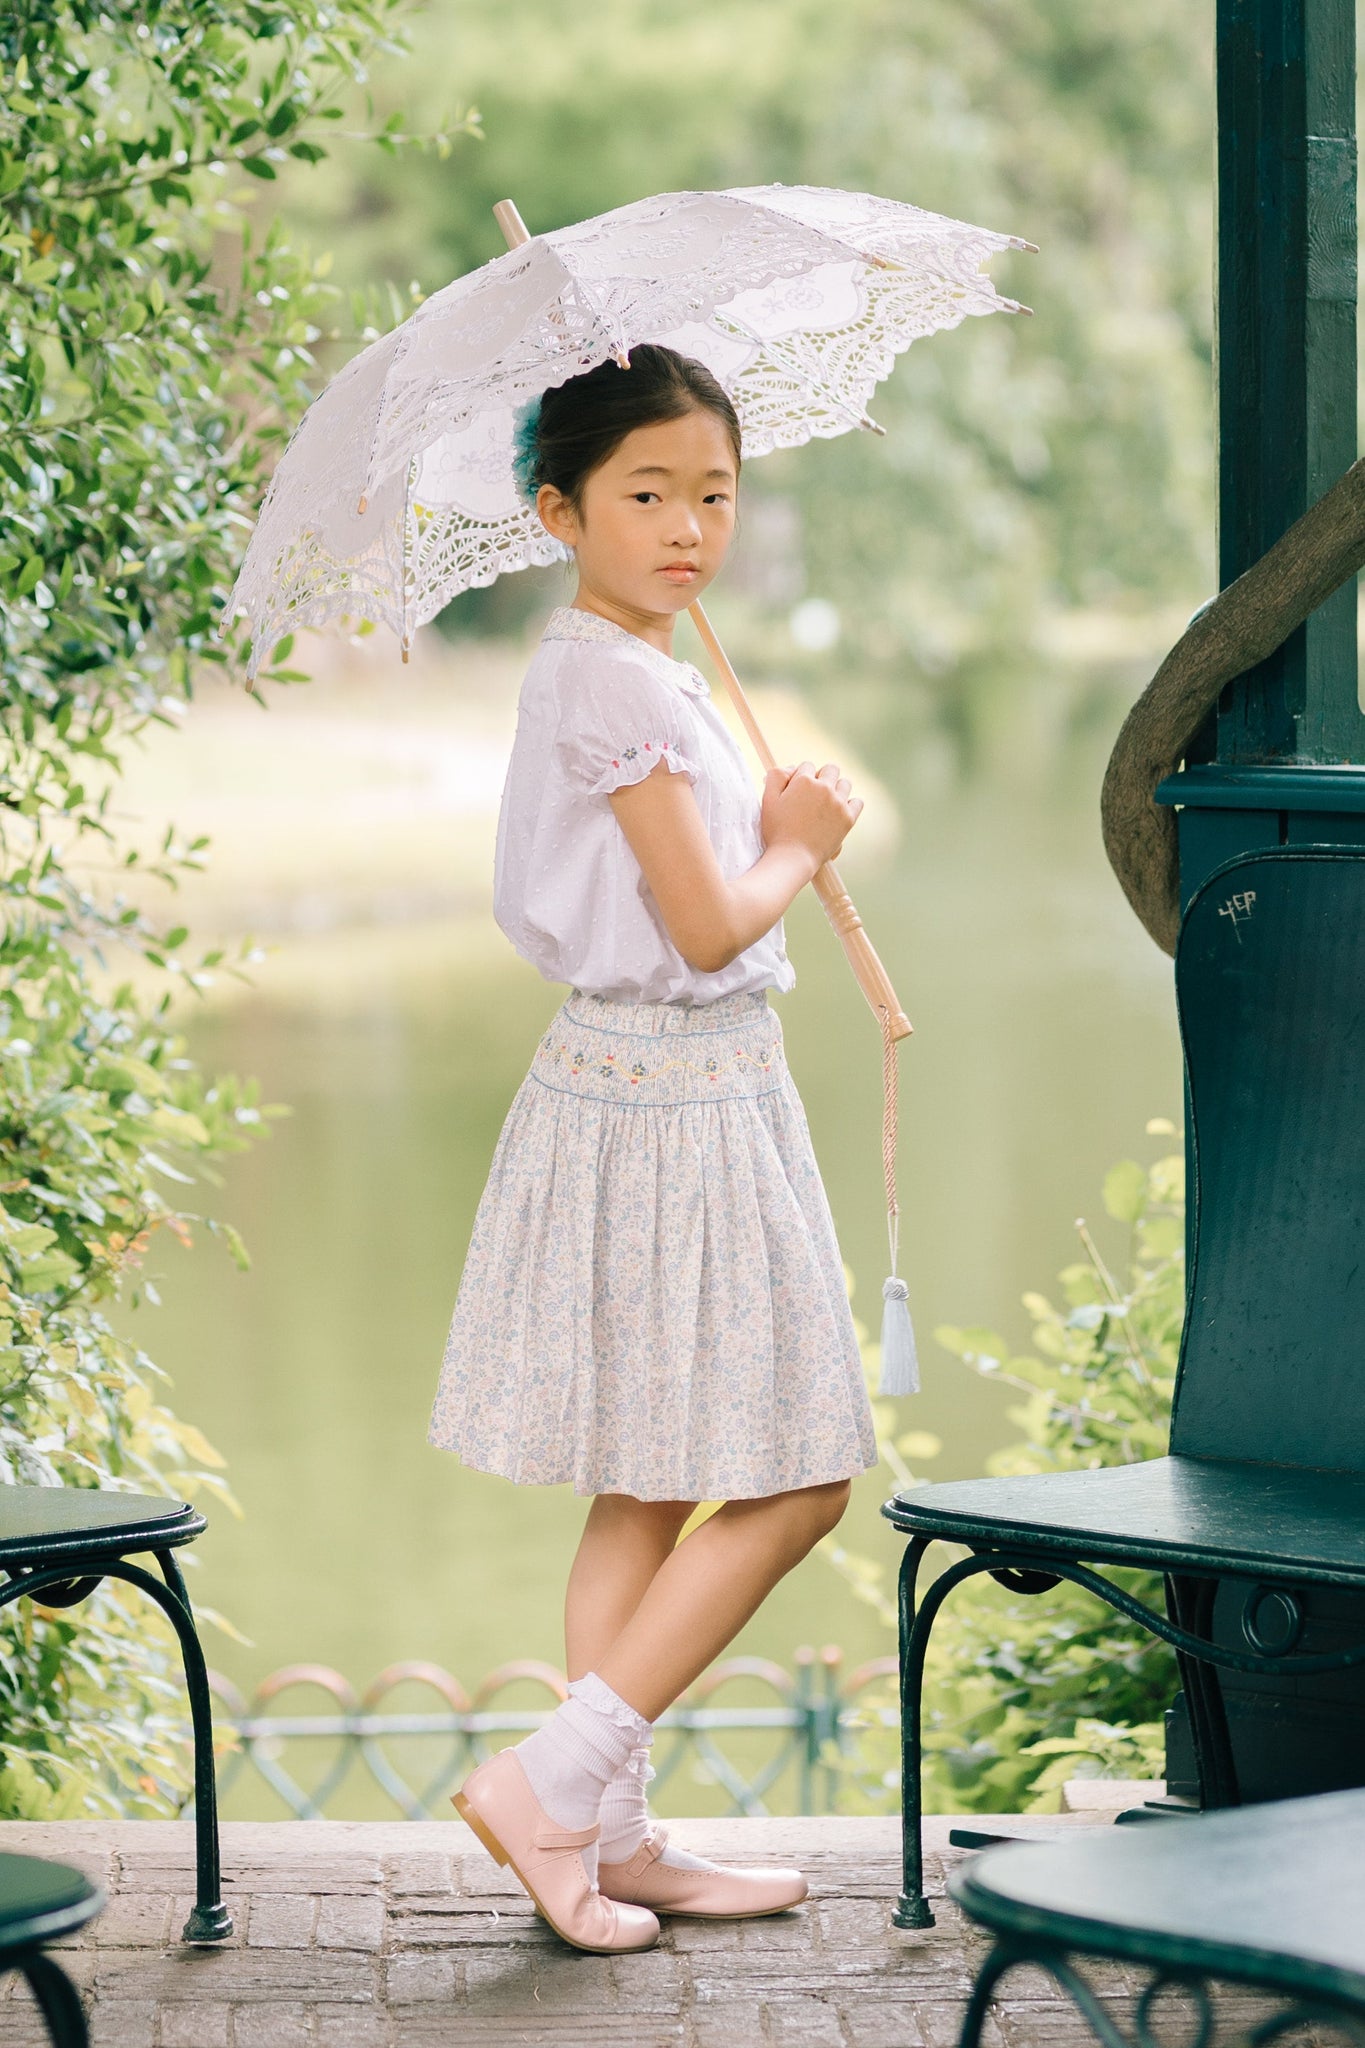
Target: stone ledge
point(361, 1934)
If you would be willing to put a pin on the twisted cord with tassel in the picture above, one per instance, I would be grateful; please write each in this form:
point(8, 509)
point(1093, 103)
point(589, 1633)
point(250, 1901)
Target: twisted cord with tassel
point(899, 1361)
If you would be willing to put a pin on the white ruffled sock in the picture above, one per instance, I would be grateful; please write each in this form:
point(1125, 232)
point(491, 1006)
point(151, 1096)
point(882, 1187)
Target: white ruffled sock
point(574, 1757)
point(625, 1815)
point(625, 1808)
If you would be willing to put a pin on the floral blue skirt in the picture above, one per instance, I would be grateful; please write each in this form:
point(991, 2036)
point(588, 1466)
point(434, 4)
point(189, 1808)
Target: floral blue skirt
point(653, 1300)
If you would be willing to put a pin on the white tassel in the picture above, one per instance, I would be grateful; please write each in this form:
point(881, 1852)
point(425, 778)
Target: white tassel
point(900, 1361)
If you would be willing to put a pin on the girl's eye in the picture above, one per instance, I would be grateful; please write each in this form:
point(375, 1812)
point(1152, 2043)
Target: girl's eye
point(721, 497)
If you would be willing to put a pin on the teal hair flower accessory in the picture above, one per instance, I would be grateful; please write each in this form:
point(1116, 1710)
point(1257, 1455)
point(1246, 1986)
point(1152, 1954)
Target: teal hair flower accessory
point(525, 453)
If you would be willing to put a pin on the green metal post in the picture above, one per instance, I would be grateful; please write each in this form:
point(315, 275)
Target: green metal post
point(1286, 347)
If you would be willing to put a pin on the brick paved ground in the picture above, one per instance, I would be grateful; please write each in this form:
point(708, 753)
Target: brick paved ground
point(365, 1935)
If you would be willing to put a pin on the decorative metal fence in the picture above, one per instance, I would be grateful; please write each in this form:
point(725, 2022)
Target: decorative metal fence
point(811, 1736)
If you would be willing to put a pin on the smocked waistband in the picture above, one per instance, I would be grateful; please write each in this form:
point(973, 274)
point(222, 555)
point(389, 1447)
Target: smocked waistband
point(726, 1013)
point(662, 1054)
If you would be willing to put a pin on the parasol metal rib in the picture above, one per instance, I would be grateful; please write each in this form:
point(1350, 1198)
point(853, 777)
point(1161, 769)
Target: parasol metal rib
point(871, 976)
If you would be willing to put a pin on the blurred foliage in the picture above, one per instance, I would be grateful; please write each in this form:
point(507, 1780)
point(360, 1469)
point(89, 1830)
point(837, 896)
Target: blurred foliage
point(1024, 1692)
point(152, 356)
point(1031, 467)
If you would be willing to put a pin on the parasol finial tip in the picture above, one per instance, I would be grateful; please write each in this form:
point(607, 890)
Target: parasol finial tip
point(363, 506)
point(510, 221)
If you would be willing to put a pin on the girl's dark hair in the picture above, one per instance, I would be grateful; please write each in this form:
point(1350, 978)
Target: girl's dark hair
point(584, 421)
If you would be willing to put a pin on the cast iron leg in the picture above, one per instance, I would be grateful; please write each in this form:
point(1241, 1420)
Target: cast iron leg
point(209, 1919)
point(912, 1908)
point(1007, 1954)
point(1189, 1602)
point(58, 2000)
point(1001, 1958)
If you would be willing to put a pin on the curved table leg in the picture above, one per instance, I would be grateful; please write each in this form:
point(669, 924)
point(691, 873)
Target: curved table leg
point(58, 1999)
point(912, 1908)
point(209, 1919)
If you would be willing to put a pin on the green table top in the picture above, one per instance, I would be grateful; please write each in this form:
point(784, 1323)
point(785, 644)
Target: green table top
point(61, 1518)
point(41, 1900)
point(1272, 1895)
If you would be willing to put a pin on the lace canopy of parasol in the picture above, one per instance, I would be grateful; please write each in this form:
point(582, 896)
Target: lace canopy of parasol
point(397, 491)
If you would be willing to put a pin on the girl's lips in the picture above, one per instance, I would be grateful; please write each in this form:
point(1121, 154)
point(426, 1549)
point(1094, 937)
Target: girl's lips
point(679, 573)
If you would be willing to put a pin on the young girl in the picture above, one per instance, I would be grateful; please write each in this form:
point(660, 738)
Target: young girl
point(653, 1304)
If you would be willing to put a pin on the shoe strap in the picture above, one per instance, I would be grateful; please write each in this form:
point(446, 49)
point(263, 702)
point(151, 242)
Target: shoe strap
point(566, 1838)
point(649, 1851)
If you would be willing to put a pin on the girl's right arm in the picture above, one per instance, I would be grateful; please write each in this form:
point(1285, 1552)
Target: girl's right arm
point(805, 819)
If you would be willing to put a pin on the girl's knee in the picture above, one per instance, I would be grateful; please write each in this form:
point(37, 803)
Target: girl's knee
point(812, 1511)
point(828, 1504)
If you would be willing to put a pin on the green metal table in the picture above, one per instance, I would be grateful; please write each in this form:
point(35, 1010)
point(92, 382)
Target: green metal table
point(40, 1902)
point(56, 1544)
point(1270, 1897)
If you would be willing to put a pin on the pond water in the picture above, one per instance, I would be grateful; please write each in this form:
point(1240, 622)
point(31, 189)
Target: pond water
point(1044, 1042)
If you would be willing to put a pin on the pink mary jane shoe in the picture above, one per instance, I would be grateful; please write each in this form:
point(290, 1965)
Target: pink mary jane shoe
point(720, 1894)
point(497, 1801)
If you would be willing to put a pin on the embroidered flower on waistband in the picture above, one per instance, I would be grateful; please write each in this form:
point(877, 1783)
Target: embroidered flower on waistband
point(608, 1064)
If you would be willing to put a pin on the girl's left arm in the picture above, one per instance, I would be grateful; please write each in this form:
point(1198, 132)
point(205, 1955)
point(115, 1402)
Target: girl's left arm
point(709, 919)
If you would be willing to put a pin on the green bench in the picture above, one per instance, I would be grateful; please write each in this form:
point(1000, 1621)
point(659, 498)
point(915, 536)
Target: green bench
point(56, 1544)
point(42, 1902)
point(1256, 1519)
point(1268, 1897)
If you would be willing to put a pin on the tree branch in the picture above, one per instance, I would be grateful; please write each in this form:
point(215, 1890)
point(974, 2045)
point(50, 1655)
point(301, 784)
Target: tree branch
point(1241, 626)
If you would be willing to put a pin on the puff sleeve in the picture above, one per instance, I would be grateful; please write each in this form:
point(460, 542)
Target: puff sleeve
point(617, 720)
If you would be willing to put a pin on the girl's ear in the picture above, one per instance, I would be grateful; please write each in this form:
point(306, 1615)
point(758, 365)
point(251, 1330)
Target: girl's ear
point(556, 514)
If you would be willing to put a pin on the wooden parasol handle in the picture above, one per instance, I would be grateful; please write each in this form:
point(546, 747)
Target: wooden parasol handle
point(872, 977)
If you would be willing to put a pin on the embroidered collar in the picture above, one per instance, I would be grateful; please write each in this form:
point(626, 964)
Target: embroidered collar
point(571, 622)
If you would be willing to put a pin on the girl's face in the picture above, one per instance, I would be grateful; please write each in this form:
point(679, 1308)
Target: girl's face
point(658, 516)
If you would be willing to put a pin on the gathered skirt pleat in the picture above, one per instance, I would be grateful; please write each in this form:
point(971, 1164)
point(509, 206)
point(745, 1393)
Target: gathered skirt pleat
point(653, 1300)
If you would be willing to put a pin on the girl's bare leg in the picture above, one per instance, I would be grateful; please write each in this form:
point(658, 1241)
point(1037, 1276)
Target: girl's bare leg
point(698, 1595)
point(624, 1543)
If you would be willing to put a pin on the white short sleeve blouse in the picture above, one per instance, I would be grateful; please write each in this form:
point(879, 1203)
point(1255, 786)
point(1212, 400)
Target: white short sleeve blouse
point(599, 707)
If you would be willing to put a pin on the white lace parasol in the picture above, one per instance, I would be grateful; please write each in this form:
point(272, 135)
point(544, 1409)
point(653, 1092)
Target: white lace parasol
point(396, 491)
